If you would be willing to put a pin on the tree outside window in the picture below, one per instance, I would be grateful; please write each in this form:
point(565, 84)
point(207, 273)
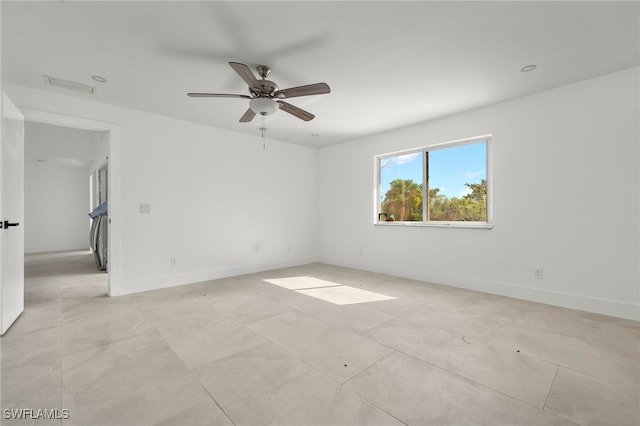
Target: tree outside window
point(443, 184)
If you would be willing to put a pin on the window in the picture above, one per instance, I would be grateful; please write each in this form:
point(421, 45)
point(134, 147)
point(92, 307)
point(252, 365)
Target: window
point(445, 185)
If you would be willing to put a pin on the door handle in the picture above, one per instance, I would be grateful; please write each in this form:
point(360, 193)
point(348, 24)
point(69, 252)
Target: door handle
point(6, 224)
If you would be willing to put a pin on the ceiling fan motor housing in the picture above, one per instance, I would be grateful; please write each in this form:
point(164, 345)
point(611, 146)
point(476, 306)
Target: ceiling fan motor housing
point(264, 88)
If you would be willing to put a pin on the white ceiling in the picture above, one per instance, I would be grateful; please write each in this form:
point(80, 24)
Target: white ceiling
point(389, 64)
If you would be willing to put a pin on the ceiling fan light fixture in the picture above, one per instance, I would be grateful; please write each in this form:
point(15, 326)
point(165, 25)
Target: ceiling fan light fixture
point(263, 106)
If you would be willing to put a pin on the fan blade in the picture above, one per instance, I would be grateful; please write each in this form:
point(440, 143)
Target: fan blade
point(245, 73)
point(295, 111)
point(247, 116)
point(309, 89)
point(217, 95)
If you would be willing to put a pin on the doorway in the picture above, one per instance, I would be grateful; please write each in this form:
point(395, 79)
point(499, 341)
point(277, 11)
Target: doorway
point(59, 165)
point(103, 179)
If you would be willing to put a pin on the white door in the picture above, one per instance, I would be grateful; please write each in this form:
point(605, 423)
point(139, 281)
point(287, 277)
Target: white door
point(11, 214)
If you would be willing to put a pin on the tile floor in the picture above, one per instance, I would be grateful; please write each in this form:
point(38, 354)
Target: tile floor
point(246, 351)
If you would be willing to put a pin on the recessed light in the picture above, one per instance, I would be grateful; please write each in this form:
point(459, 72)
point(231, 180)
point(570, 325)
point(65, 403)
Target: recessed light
point(98, 78)
point(528, 68)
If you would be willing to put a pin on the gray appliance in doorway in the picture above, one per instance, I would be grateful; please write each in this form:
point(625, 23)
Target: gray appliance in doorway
point(100, 221)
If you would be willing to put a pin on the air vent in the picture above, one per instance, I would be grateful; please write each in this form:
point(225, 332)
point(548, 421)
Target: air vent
point(70, 85)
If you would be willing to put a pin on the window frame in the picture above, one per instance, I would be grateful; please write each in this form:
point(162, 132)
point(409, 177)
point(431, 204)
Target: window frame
point(425, 149)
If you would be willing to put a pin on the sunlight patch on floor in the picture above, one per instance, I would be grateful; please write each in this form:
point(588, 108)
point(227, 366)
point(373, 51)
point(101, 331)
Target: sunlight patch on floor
point(344, 295)
point(298, 283)
point(328, 291)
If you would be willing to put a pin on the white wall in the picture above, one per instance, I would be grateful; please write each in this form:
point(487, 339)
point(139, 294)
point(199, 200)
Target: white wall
point(220, 203)
point(565, 191)
point(56, 206)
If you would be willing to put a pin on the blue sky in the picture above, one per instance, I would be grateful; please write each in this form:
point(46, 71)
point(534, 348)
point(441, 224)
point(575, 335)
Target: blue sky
point(449, 168)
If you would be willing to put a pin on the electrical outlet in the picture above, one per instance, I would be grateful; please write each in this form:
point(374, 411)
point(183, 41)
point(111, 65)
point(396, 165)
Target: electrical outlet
point(538, 273)
point(173, 261)
point(144, 208)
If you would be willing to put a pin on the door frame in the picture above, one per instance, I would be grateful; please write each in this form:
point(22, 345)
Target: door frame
point(113, 179)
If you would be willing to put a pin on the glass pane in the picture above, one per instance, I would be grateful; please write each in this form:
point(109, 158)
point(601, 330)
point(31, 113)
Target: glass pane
point(401, 187)
point(458, 183)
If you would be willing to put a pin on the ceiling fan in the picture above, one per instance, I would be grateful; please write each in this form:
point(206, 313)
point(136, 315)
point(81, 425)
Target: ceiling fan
point(265, 97)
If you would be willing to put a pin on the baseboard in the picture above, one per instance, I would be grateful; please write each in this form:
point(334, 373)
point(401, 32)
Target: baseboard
point(567, 300)
point(154, 283)
point(52, 249)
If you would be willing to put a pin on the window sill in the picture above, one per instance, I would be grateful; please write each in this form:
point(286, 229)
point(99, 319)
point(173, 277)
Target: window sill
point(472, 225)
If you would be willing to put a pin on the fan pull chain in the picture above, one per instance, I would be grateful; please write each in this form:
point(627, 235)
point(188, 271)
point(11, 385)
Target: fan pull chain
point(263, 131)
